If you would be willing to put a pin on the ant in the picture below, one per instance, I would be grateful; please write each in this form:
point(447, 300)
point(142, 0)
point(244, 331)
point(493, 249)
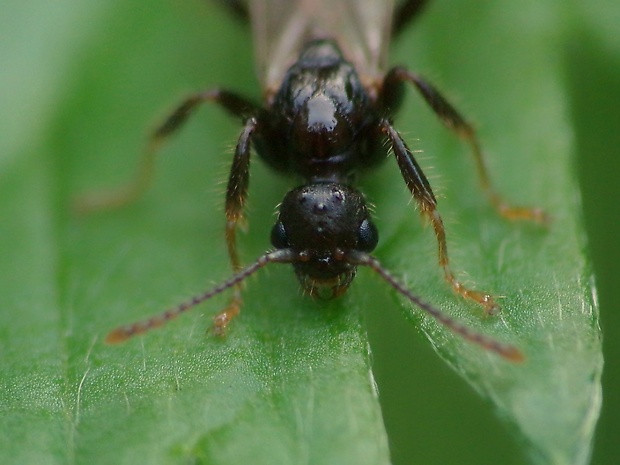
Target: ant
point(324, 121)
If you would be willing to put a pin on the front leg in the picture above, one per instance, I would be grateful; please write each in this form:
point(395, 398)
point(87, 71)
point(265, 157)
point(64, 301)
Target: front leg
point(236, 196)
point(422, 193)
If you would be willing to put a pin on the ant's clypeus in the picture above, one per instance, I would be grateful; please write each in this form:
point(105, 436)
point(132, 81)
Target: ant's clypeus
point(327, 114)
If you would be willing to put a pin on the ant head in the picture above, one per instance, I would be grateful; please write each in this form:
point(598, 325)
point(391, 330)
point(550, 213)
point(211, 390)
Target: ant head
point(321, 223)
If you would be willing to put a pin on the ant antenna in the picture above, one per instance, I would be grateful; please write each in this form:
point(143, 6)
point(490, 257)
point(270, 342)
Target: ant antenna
point(507, 351)
point(122, 333)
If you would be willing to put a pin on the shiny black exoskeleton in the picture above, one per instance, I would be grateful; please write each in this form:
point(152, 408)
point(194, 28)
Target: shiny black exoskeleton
point(324, 126)
point(320, 221)
point(318, 129)
point(317, 125)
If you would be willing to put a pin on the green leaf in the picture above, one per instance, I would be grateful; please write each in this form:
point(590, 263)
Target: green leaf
point(593, 71)
point(292, 382)
point(503, 61)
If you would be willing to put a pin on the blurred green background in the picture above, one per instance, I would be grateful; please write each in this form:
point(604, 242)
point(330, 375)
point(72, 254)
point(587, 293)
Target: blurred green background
point(593, 74)
point(423, 401)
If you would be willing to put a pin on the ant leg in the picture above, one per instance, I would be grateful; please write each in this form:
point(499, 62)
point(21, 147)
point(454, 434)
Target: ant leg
point(236, 196)
point(406, 12)
point(457, 124)
point(128, 193)
point(420, 188)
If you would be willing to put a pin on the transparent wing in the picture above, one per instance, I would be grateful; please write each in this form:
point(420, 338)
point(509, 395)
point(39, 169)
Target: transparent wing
point(281, 28)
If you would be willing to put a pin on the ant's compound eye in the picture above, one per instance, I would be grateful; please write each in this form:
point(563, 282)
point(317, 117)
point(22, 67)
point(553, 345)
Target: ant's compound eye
point(367, 236)
point(279, 239)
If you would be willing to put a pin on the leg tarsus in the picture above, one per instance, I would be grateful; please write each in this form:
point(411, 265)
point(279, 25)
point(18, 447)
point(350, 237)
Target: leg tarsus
point(100, 200)
point(482, 298)
point(223, 319)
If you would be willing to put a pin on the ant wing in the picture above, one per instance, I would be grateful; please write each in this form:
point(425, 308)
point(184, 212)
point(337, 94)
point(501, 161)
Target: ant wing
point(282, 27)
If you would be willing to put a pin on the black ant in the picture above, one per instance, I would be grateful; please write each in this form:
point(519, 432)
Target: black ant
point(324, 119)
